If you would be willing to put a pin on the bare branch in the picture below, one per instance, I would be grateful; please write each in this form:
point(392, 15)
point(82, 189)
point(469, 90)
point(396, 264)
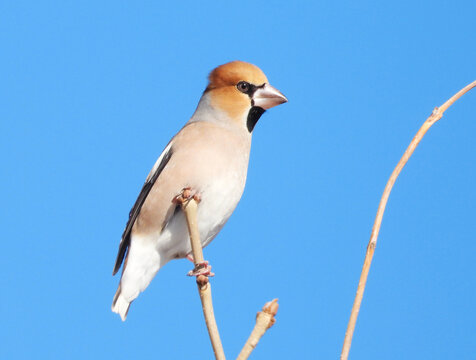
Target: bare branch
point(433, 118)
point(189, 206)
point(264, 320)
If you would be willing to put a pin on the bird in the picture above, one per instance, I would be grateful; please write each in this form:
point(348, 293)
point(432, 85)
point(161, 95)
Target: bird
point(209, 156)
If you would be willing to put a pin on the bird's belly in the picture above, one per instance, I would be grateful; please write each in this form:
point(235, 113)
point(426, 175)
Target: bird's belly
point(218, 200)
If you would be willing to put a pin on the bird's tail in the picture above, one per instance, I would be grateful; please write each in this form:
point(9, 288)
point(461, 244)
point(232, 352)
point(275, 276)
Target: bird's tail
point(120, 305)
point(142, 263)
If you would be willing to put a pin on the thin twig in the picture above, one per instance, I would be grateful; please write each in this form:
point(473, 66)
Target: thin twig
point(204, 287)
point(264, 320)
point(433, 118)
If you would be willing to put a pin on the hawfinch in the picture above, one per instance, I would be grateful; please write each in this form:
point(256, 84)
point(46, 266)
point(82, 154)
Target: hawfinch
point(209, 155)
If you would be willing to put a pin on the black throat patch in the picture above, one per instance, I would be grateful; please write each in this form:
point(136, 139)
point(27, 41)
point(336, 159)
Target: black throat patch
point(253, 117)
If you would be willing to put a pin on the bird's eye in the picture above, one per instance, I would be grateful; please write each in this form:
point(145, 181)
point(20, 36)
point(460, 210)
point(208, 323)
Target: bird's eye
point(243, 86)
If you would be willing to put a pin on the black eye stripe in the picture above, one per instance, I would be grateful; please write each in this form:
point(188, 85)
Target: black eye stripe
point(247, 88)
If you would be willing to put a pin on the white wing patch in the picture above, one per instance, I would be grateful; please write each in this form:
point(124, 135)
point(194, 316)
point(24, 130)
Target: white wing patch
point(159, 160)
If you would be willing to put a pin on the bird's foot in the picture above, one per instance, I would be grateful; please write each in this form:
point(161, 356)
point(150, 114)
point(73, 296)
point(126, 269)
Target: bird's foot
point(186, 195)
point(203, 268)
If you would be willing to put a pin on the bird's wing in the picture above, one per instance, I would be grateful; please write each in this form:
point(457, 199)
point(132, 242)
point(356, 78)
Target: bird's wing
point(160, 164)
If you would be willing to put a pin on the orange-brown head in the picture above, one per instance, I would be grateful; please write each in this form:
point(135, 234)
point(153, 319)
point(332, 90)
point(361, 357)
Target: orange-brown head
point(241, 90)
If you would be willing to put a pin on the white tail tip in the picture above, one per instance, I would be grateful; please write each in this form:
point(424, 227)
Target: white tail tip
point(120, 305)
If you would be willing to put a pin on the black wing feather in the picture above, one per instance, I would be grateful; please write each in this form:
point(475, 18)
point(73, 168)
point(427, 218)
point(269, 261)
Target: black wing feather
point(134, 213)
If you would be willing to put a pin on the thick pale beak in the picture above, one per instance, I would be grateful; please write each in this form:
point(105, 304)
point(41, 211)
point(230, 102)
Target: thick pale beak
point(267, 96)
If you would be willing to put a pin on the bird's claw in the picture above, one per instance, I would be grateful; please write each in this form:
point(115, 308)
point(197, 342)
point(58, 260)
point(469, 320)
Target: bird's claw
point(186, 195)
point(202, 268)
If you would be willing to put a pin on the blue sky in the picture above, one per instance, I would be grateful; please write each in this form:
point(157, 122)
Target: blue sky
point(90, 94)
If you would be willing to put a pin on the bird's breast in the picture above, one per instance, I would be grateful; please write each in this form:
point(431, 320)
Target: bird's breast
point(214, 163)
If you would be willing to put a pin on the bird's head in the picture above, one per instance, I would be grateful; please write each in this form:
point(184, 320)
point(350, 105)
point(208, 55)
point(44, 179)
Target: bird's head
point(242, 91)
